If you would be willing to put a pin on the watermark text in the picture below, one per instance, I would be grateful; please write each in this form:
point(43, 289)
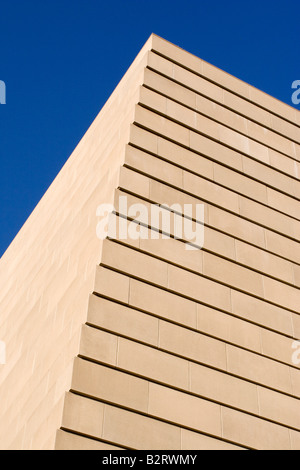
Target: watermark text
point(2, 92)
point(296, 93)
point(2, 353)
point(296, 353)
point(152, 221)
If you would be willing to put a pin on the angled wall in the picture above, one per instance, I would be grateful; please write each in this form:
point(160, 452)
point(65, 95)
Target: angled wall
point(193, 349)
point(179, 349)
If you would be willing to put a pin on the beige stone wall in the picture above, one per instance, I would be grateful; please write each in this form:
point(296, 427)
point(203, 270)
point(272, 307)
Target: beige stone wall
point(48, 272)
point(180, 349)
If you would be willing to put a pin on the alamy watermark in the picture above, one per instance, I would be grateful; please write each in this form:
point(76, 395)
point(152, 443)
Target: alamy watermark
point(2, 92)
point(2, 352)
point(152, 221)
point(296, 93)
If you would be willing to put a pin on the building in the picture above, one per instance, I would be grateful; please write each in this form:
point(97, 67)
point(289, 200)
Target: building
point(143, 343)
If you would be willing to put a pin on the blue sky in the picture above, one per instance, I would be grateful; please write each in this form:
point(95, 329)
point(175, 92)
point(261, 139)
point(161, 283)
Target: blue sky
point(61, 60)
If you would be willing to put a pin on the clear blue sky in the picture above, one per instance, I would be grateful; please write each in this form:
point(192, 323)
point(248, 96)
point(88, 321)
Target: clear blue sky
point(62, 59)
